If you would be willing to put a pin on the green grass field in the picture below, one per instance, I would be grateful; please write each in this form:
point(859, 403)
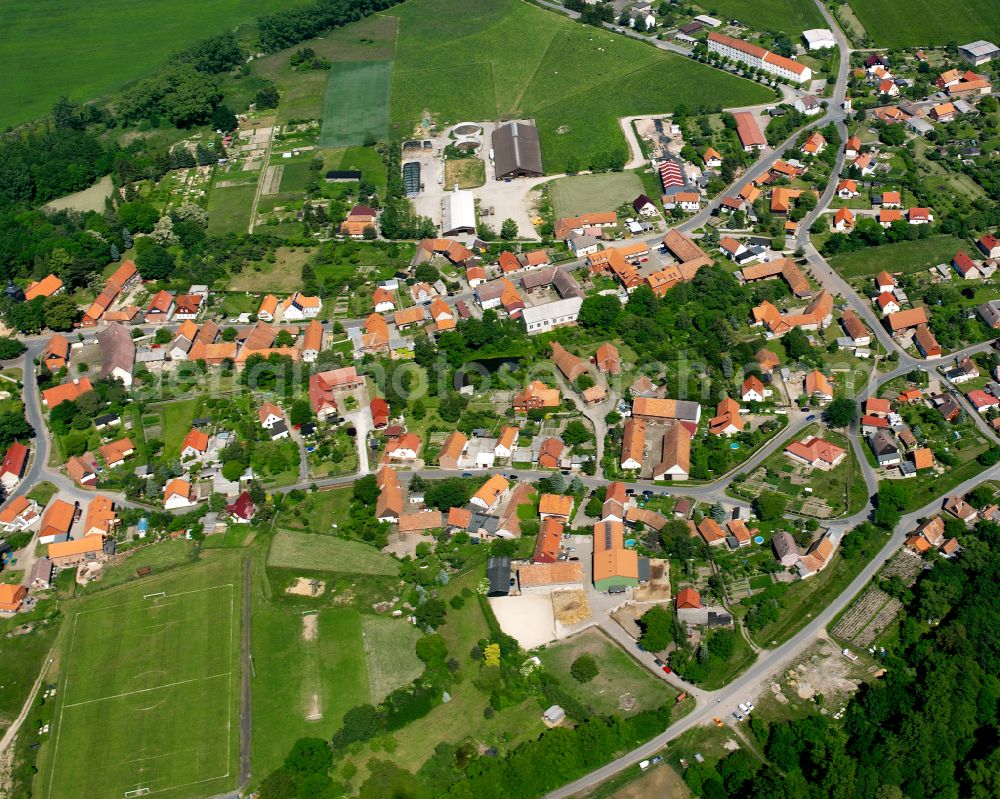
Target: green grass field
point(229, 208)
point(619, 674)
point(302, 92)
point(905, 256)
point(906, 23)
point(21, 659)
point(786, 16)
point(86, 50)
point(574, 80)
point(313, 552)
point(156, 680)
point(177, 417)
point(298, 678)
point(282, 277)
point(357, 103)
point(367, 159)
point(318, 511)
point(295, 175)
point(583, 194)
point(160, 556)
point(391, 657)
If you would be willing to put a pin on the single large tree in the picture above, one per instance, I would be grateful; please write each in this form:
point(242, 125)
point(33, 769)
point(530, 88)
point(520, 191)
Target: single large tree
point(840, 413)
point(657, 629)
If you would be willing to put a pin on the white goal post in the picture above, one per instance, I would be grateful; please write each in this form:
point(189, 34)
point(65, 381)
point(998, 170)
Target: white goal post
point(151, 596)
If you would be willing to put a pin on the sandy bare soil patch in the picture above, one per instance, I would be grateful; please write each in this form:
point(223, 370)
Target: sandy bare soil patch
point(306, 586)
point(527, 618)
point(310, 626)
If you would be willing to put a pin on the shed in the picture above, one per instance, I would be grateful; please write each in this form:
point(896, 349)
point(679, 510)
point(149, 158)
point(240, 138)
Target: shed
point(498, 572)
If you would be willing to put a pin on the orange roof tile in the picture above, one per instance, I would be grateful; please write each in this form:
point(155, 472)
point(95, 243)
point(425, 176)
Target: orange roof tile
point(78, 546)
point(555, 505)
point(195, 439)
point(45, 287)
point(117, 451)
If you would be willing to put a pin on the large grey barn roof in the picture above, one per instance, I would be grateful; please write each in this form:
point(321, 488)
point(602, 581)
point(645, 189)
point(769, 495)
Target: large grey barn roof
point(515, 146)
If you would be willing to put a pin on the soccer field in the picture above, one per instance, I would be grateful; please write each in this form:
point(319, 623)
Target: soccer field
point(149, 691)
point(357, 103)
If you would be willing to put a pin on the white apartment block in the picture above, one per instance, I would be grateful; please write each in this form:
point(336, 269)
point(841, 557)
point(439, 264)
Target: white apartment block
point(757, 57)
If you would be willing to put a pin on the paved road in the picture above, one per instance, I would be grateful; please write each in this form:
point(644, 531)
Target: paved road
point(769, 661)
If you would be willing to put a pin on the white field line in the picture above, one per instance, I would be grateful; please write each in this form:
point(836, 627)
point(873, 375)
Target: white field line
point(65, 686)
point(142, 601)
point(62, 709)
point(147, 690)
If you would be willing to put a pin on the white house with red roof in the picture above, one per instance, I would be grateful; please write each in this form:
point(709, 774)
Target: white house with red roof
point(989, 245)
point(816, 452)
point(982, 401)
point(967, 268)
point(887, 304)
point(752, 390)
point(14, 463)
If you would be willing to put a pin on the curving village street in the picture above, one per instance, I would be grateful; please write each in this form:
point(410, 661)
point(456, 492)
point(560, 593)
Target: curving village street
point(707, 704)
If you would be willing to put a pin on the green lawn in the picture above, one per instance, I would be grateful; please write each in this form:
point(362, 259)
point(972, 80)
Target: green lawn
point(155, 678)
point(236, 304)
point(357, 103)
point(229, 208)
point(924, 489)
point(86, 50)
point(720, 673)
point(619, 674)
point(905, 256)
point(21, 659)
point(303, 91)
point(318, 511)
point(367, 159)
point(907, 23)
point(582, 194)
point(467, 626)
point(177, 417)
point(327, 553)
point(281, 277)
point(295, 678)
point(462, 717)
point(295, 175)
point(390, 655)
point(572, 79)
point(787, 16)
point(159, 556)
point(43, 492)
